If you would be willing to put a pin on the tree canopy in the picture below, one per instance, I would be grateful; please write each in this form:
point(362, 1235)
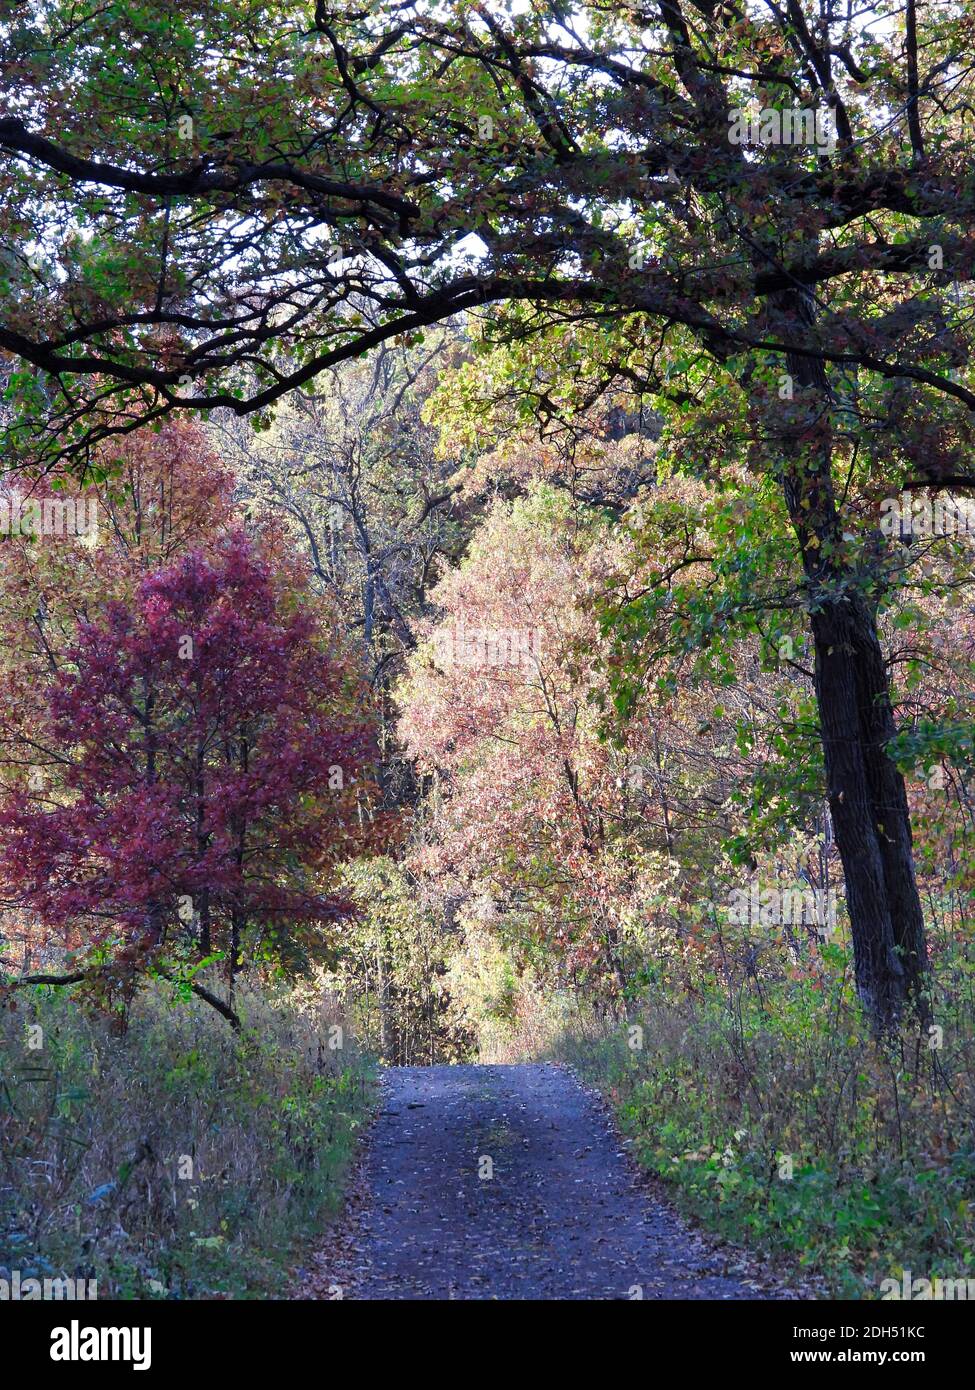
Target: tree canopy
point(235, 196)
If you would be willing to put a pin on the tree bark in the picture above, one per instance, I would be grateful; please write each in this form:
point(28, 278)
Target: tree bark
point(382, 991)
point(867, 796)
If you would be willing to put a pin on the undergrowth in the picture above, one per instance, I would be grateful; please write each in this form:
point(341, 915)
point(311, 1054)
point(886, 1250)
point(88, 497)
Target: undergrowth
point(781, 1123)
point(176, 1159)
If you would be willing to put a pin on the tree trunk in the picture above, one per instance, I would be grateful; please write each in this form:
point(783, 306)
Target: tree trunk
point(867, 797)
point(868, 803)
point(382, 990)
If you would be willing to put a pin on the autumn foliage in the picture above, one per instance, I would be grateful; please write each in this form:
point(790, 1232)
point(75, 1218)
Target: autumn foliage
point(191, 772)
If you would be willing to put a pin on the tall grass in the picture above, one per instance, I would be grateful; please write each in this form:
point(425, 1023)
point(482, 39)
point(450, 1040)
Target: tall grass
point(176, 1159)
point(780, 1122)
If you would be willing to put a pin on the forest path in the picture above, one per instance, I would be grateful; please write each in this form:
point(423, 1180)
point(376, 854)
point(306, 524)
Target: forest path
point(563, 1216)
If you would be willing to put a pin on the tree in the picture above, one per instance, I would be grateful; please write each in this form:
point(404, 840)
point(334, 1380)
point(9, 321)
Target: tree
point(599, 853)
point(215, 769)
point(257, 193)
point(161, 494)
point(393, 963)
point(353, 470)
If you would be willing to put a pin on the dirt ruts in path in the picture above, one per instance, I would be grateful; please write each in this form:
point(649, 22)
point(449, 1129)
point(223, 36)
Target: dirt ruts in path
point(508, 1182)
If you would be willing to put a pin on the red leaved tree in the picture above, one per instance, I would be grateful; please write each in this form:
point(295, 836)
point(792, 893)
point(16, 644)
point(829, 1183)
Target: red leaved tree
point(210, 759)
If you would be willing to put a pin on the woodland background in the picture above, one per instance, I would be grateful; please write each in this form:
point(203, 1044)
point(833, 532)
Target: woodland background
point(474, 674)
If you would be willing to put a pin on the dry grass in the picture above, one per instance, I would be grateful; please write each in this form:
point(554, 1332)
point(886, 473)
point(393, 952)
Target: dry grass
point(176, 1159)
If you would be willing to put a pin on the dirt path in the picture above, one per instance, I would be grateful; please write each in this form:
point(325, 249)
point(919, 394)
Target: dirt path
point(508, 1182)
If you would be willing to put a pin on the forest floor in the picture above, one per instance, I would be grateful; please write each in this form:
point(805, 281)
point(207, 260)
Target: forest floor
point(510, 1182)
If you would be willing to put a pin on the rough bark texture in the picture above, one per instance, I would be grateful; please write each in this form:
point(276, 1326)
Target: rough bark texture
point(867, 796)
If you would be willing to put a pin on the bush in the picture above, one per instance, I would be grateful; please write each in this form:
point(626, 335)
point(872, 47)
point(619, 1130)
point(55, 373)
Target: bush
point(176, 1159)
point(782, 1123)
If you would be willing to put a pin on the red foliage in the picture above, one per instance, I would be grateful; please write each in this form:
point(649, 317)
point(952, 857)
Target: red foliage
point(208, 761)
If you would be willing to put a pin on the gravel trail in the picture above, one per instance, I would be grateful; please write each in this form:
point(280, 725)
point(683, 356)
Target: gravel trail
point(508, 1182)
